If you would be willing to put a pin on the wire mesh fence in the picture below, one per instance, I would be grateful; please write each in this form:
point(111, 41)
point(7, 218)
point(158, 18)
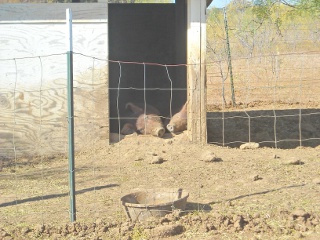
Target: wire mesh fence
point(276, 74)
point(35, 128)
point(275, 66)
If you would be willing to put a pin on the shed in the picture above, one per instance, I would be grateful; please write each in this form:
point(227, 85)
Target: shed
point(159, 59)
point(33, 66)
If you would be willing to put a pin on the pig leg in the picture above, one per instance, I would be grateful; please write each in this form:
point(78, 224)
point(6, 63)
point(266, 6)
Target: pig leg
point(134, 108)
point(127, 129)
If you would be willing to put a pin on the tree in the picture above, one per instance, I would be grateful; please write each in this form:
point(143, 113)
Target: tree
point(298, 7)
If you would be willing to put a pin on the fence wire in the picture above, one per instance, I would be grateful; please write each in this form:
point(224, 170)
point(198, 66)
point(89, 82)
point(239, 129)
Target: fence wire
point(276, 83)
point(275, 68)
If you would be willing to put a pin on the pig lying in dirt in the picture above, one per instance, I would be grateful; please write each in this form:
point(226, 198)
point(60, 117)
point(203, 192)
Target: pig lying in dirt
point(144, 119)
point(178, 122)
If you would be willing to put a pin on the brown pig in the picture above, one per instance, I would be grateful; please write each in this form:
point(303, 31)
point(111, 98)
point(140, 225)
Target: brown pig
point(178, 122)
point(145, 119)
point(128, 128)
point(150, 124)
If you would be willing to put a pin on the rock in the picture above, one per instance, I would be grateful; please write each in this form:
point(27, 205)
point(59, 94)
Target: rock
point(226, 222)
point(294, 161)
point(167, 230)
point(151, 154)
point(298, 235)
point(133, 156)
point(251, 145)
point(300, 213)
point(239, 224)
point(40, 228)
point(316, 181)
point(256, 177)
point(25, 230)
point(256, 215)
point(156, 160)
point(209, 156)
point(3, 233)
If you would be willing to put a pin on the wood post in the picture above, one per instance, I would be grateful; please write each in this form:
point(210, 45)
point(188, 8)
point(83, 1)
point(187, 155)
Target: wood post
point(196, 74)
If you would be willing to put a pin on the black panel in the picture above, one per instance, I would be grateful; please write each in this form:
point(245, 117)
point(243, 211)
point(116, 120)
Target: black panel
point(146, 33)
point(265, 127)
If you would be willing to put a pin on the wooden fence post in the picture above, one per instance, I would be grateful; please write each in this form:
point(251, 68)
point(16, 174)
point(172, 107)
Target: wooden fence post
point(196, 74)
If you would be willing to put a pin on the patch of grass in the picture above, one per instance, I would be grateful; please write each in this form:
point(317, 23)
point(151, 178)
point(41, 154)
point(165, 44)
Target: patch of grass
point(138, 233)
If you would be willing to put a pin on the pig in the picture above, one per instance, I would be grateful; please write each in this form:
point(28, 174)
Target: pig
point(150, 124)
point(128, 128)
point(178, 122)
point(145, 119)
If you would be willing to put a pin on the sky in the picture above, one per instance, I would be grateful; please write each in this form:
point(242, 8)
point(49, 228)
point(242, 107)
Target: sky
point(219, 3)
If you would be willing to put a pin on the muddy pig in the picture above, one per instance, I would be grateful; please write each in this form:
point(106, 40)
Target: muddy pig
point(145, 119)
point(178, 122)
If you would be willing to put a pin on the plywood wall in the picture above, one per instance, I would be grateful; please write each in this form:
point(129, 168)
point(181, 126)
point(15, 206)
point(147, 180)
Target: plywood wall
point(33, 72)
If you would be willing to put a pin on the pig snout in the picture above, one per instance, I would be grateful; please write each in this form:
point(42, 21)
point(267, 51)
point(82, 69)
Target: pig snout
point(159, 132)
point(178, 122)
point(150, 124)
point(171, 127)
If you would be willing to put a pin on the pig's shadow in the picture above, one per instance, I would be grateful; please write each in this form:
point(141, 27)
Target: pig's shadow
point(169, 135)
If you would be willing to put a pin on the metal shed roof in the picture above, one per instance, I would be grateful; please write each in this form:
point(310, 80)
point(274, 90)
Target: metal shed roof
point(53, 11)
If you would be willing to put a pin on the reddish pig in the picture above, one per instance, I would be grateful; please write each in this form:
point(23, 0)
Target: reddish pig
point(145, 119)
point(178, 122)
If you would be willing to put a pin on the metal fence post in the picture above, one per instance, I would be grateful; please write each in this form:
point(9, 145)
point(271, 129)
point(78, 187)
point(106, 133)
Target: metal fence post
point(70, 116)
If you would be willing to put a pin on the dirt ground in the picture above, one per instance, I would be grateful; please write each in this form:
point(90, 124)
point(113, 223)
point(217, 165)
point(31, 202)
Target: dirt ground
point(260, 193)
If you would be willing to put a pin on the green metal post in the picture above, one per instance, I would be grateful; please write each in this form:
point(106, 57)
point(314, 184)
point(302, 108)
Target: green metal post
point(70, 117)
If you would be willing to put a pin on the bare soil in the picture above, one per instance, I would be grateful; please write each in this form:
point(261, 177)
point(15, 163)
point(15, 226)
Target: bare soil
point(259, 193)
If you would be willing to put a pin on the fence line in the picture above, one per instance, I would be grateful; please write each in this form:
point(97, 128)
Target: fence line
point(47, 132)
point(213, 86)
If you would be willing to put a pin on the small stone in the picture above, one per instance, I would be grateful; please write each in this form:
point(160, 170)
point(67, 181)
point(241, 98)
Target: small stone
point(104, 229)
point(316, 181)
point(251, 145)
point(300, 213)
point(151, 154)
point(4, 234)
point(99, 221)
point(164, 220)
point(156, 160)
point(25, 230)
point(256, 178)
point(40, 228)
point(167, 231)
point(298, 235)
point(256, 215)
point(294, 161)
point(209, 156)
point(226, 222)
point(81, 233)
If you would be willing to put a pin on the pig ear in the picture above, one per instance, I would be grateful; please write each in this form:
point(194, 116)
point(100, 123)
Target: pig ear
point(134, 108)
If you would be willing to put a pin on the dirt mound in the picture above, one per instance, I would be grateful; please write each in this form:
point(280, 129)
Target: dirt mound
point(297, 224)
